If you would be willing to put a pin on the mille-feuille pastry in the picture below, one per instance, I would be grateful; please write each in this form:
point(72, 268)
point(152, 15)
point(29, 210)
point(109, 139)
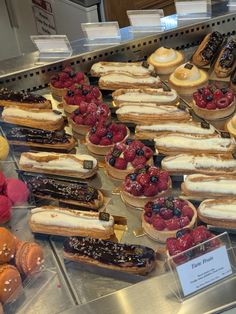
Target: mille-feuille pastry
point(205, 186)
point(68, 222)
point(187, 78)
point(233, 80)
point(207, 49)
point(113, 81)
point(225, 63)
point(45, 119)
point(166, 60)
point(134, 68)
point(172, 144)
point(73, 165)
point(78, 194)
point(148, 97)
point(147, 115)
point(173, 127)
point(131, 258)
point(37, 138)
point(218, 212)
point(202, 163)
point(10, 98)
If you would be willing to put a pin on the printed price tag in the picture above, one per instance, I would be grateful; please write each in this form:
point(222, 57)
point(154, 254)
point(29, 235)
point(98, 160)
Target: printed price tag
point(204, 270)
point(106, 31)
point(195, 8)
point(145, 18)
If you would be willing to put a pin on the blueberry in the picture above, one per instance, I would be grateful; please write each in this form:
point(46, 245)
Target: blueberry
point(133, 176)
point(77, 111)
point(93, 130)
point(181, 232)
point(153, 179)
point(139, 152)
point(209, 98)
point(189, 254)
point(177, 212)
point(129, 141)
point(224, 90)
point(70, 93)
point(72, 74)
point(112, 161)
point(85, 92)
point(109, 135)
point(156, 208)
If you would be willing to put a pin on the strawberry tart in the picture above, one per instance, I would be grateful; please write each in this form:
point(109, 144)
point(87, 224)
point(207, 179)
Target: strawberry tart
point(102, 137)
point(87, 115)
point(60, 82)
point(124, 157)
point(164, 216)
point(78, 94)
point(145, 184)
point(213, 103)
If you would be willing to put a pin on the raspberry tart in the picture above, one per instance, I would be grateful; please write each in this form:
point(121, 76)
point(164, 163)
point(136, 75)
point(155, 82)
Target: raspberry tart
point(60, 82)
point(78, 94)
point(87, 115)
point(124, 157)
point(213, 103)
point(164, 216)
point(145, 184)
point(102, 137)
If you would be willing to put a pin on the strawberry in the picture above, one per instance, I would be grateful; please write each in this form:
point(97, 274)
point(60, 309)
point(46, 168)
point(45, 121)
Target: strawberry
point(94, 139)
point(166, 213)
point(154, 171)
point(78, 120)
point(139, 160)
point(143, 179)
point(150, 190)
point(222, 103)
point(158, 223)
point(118, 137)
point(162, 186)
point(83, 107)
point(136, 189)
point(172, 224)
point(101, 132)
point(120, 163)
point(129, 154)
point(105, 141)
point(187, 211)
point(185, 242)
point(147, 152)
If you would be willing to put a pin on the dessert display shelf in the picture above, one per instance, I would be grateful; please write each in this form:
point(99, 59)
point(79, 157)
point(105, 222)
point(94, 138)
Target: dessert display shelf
point(76, 284)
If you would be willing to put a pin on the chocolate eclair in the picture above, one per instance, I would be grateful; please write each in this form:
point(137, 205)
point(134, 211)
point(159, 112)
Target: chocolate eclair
point(233, 80)
point(225, 63)
point(58, 140)
point(23, 99)
point(136, 259)
point(79, 194)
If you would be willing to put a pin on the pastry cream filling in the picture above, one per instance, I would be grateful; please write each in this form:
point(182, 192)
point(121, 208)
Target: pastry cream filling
point(122, 78)
point(218, 210)
point(142, 97)
point(164, 55)
point(149, 110)
point(191, 143)
point(224, 186)
point(37, 115)
point(68, 218)
point(176, 127)
point(64, 163)
point(191, 162)
point(184, 77)
point(132, 68)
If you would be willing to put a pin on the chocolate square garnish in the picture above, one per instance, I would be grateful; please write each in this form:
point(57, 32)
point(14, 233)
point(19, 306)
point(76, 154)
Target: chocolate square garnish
point(234, 154)
point(145, 64)
point(188, 66)
point(88, 164)
point(104, 216)
point(166, 88)
point(154, 74)
point(181, 107)
point(225, 134)
point(116, 153)
point(57, 112)
point(205, 125)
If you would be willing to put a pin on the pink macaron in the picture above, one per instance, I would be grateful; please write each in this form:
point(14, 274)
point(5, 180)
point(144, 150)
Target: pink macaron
point(16, 191)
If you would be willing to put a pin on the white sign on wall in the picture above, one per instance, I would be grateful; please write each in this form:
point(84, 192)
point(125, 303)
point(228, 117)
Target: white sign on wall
point(44, 17)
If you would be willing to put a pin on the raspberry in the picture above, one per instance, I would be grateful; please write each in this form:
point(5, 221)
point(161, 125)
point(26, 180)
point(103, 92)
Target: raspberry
point(230, 96)
point(172, 224)
point(101, 132)
point(113, 127)
point(139, 160)
point(105, 141)
point(79, 77)
point(118, 137)
point(222, 103)
point(78, 120)
point(103, 108)
point(185, 242)
point(94, 139)
point(148, 217)
point(201, 234)
point(68, 69)
point(184, 221)
point(58, 84)
point(150, 190)
point(147, 152)
point(164, 176)
point(178, 203)
point(187, 211)
point(161, 201)
point(158, 223)
point(122, 129)
point(92, 107)
point(218, 94)
point(162, 186)
point(90, 120)
point(129, 154)
point(120, 163)
point(143, 179)
point(68, 83)
point(136, 144)
point(96, 92)
point(77, 99)
point(154, 171)
point(166, 213)
point(83, 107)
point(136, 189)
point(207, 92)
point(196, 96)
point(63, 76)
point(121, 147)
point(69, 100)
point(171, 246)
point(201, 103)
point(148, 207)
point(211, 105)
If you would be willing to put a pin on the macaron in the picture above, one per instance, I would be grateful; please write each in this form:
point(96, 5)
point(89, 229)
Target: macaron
point(4, 148)
point(16, 190)
point(29, 257)
point(5, 209)
point(10, 283)
point(7, 246)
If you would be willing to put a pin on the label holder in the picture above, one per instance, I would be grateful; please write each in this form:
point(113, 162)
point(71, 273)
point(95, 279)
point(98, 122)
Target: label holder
point(195, 9)
point(52, 46)
point(146, 21)
point(179, 285)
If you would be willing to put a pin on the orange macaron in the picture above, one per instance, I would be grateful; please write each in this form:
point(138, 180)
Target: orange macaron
point(7, 245)
point(10, 283)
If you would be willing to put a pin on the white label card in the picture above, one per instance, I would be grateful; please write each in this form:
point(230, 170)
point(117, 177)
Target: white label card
point(52, 43)
point(145, 18)
point(103, 30)
point(191, 7)
point(204, 270)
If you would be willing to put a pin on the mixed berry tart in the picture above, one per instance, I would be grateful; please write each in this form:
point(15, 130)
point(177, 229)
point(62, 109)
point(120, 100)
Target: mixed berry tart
point(102, 137)
point(125, 157)
point(145, 184)
point(186, 239)
point(60, 82)
point(77, 94)
point(213, 103)
point(87, 115)
point(164, 216)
